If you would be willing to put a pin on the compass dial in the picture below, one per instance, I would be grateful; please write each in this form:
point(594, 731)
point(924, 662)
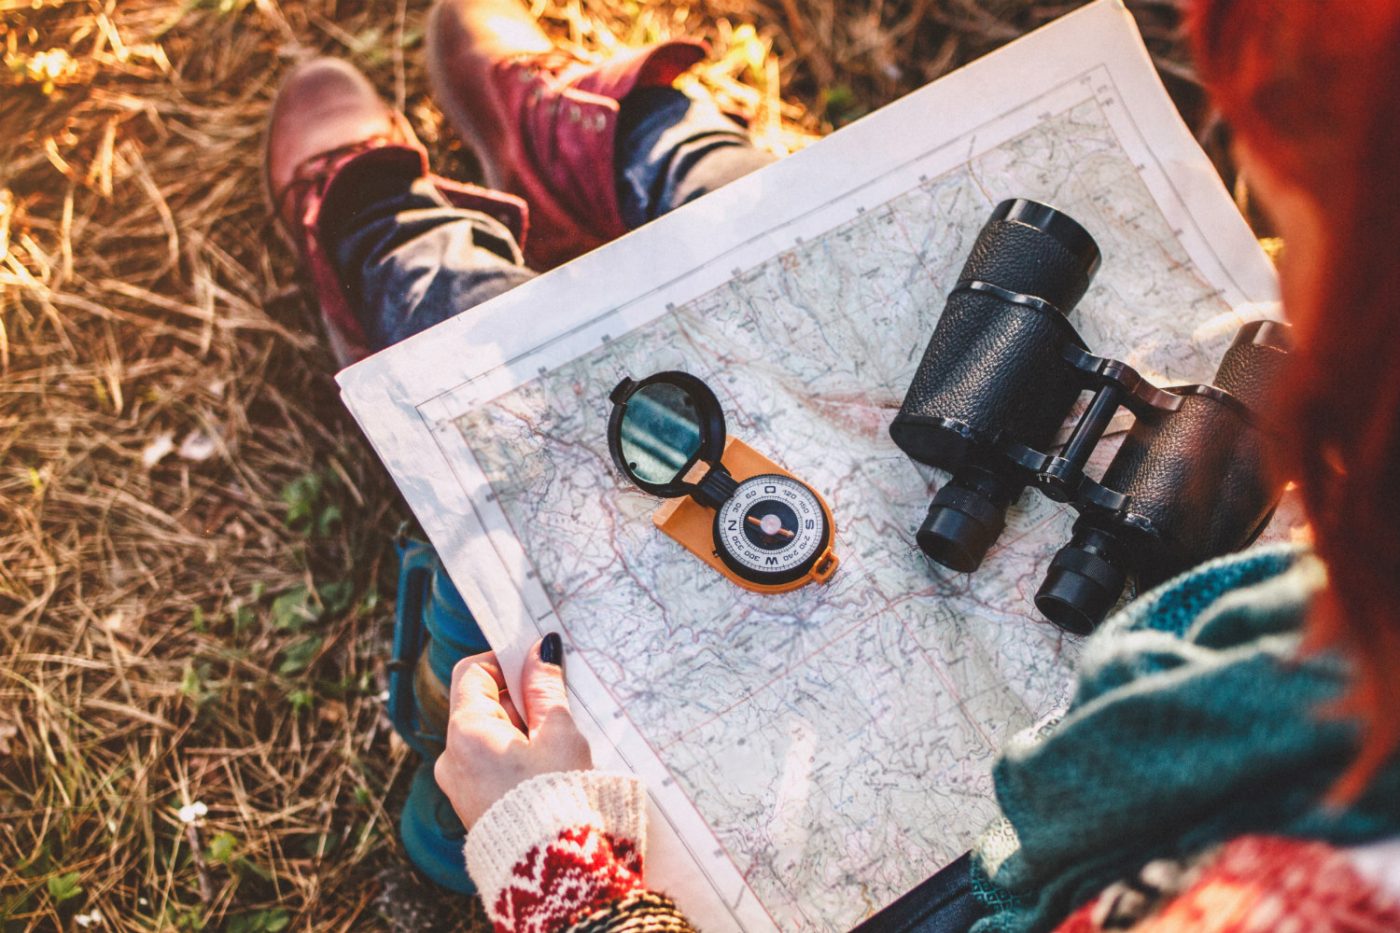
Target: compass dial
point(772, 530)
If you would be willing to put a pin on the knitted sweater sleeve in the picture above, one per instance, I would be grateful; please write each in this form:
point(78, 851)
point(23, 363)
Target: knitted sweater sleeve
point(1252, 883)
point(563, 852)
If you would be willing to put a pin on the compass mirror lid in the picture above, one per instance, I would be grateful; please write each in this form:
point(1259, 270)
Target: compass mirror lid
point(661, 427)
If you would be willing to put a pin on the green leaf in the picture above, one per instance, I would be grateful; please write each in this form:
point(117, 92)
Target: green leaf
point(64, 887)
point(322, 845)
point(246, 867)
point(243, 616)
point(294, 609)
point(326, 521)
point(300, 496)
point(194, 683)
point(301, 700)
point(335, 597)
point(304, 488)
point(841, 104)
point(246, 923)
point(190, 683)
point(369, 39)
point(221, 847)
point(300, 655)
point(190, 920)
point(259, 921)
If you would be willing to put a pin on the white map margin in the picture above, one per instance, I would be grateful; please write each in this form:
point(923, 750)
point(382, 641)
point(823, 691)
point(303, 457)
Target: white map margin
point(405, 396)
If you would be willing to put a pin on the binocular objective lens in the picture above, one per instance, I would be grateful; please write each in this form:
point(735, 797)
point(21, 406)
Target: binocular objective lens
point(1082, 585)
point(961, 526)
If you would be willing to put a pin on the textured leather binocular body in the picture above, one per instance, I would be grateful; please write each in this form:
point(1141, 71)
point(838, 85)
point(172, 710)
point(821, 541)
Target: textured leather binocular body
point(1001, 374)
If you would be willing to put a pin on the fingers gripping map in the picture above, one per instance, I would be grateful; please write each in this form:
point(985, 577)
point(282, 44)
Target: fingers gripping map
point(813, 755)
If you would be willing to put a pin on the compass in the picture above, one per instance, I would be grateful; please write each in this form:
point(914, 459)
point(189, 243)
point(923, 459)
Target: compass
point(732, 507)
point(772, 530)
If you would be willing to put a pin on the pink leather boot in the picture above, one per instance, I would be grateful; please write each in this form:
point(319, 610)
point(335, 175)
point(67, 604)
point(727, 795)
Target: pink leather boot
point(542, 122)
point(329, 131)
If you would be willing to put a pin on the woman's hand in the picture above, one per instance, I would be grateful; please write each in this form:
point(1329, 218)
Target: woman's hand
point(493, 743)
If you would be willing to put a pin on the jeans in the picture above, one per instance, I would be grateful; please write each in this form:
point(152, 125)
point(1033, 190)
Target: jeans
point(409, 260)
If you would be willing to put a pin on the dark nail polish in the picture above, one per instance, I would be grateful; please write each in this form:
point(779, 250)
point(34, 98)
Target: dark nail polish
point(552, 649)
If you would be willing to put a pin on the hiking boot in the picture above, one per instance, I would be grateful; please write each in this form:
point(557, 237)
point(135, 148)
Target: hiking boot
point(542, 122)
point(329, 136)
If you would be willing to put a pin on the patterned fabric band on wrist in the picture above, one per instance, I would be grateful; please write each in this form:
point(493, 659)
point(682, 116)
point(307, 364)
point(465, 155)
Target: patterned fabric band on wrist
point(557, 848)
point(638, 912)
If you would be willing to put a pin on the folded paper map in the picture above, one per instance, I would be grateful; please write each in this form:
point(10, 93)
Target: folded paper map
point(810, 756)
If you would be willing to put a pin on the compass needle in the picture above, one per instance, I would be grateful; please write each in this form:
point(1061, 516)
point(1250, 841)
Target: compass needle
point(772, 529)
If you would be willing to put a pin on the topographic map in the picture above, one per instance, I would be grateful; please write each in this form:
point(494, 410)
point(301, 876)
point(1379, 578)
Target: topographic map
point(812, 756)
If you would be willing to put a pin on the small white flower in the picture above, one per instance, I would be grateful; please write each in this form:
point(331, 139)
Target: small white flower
point(197, 446)
point(384, 696)
point(156, 449)
point(193, 811)
point(88, 920)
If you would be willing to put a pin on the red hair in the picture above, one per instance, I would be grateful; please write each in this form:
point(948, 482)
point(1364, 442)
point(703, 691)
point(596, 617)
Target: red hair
point(1312, 90)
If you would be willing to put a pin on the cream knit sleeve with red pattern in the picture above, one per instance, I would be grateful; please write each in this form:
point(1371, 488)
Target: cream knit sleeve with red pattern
point(562, 850)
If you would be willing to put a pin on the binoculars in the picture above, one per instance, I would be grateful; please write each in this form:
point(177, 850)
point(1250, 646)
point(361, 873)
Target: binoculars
point(1002, 373)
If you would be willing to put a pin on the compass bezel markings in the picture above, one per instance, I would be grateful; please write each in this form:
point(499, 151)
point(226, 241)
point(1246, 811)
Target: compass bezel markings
point(759, 564)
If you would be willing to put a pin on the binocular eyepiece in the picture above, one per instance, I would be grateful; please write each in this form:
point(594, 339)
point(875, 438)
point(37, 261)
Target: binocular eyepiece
point(998, 379)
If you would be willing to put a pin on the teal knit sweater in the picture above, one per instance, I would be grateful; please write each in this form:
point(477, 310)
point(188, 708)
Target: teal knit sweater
point(1196, 719)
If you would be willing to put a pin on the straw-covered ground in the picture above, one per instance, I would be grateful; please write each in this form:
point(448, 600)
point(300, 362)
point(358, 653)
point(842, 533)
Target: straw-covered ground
point(196, 582)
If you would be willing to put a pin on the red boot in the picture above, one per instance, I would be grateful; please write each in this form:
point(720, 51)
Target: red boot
point(329, 128)
point(542, 122)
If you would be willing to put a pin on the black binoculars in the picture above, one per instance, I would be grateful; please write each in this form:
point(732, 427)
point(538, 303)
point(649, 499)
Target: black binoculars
point(1002, 373)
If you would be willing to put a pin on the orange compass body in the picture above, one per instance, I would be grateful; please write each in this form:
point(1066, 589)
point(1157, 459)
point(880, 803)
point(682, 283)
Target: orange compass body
point(729, 505)
point(691, 523)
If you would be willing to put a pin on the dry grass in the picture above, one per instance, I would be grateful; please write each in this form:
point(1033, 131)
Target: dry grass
point(195, 577)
